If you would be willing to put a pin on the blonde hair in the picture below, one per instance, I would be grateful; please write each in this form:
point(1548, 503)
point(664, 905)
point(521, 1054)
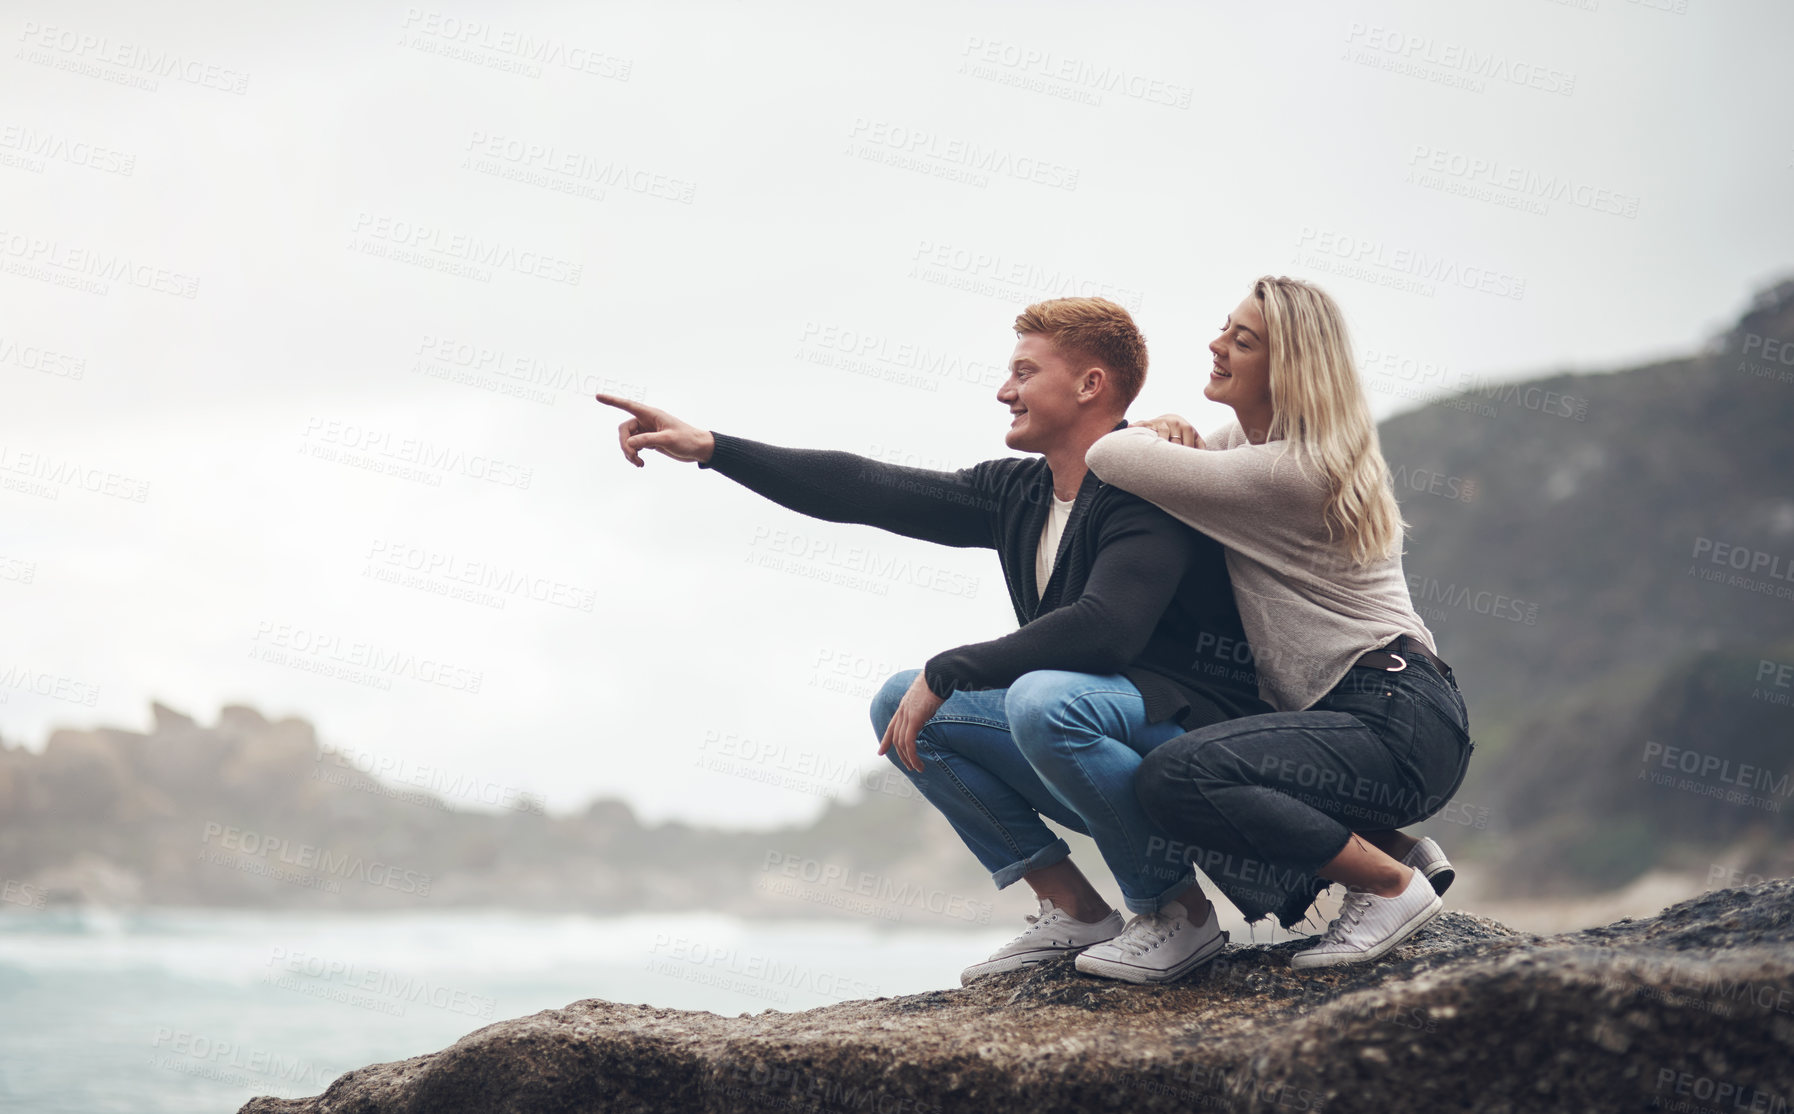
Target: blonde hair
point(1093, 329)
point(1318, 406)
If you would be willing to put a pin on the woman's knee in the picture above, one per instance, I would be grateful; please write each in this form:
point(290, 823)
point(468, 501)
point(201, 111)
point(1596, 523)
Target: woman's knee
point(1159, 784)
point(888, 697)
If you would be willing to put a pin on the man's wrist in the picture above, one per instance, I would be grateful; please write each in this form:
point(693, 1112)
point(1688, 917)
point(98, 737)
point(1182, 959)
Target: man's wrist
point(929, 678)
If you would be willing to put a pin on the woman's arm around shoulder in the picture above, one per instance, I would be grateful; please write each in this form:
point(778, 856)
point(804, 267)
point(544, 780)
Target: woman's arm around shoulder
point(1198, 485)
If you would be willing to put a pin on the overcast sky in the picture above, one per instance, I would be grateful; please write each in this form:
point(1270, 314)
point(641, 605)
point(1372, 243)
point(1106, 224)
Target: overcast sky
point(303, 311)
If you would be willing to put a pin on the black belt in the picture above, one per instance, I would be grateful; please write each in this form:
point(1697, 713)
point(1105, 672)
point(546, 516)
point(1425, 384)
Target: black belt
point(1393, 657)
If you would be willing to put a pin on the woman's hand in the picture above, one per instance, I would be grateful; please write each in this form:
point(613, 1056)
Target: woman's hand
point(1173, 429)
point(918, 706)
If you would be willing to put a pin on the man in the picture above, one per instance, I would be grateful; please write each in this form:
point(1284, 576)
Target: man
point(1128, 637)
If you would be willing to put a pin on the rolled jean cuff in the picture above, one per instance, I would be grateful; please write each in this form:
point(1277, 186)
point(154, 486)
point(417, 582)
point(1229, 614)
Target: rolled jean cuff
point(1154, 904)
point(1054, 852)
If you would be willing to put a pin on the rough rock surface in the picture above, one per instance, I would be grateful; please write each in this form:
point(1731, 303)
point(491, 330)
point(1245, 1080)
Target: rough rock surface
point(1690, 1010)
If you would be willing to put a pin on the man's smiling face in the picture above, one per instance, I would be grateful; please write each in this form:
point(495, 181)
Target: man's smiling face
point(1041, 393)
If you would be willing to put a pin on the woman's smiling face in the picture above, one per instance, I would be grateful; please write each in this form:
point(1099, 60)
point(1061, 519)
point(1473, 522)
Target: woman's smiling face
point(1241, 374)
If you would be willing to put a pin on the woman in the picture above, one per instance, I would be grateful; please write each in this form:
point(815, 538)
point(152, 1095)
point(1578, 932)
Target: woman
point(1370, 733)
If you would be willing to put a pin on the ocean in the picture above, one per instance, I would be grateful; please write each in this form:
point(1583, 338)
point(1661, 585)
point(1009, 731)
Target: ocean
point(193, 1011)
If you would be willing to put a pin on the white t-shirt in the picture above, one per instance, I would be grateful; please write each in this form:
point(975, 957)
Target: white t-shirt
point(1049, 542)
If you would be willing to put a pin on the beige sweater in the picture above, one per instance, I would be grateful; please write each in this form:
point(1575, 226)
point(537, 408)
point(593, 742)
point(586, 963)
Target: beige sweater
point(1308, 612)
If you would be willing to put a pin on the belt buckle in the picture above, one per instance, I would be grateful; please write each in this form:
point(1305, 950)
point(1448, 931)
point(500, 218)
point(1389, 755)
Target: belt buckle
point(1397, 657)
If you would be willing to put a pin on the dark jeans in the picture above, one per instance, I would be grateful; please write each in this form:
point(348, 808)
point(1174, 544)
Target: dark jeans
point(1262, 802)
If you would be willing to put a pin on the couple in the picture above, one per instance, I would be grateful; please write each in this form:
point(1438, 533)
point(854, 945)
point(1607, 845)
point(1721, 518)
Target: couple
point(1217, 657)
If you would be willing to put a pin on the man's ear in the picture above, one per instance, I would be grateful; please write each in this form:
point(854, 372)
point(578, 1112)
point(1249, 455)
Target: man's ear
point(1091, 384)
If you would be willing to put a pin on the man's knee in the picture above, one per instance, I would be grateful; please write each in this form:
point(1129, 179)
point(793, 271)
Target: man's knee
point(885, 701)
point(1033, 705)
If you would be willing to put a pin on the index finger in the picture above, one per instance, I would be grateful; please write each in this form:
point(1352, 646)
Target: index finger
point(639, 409)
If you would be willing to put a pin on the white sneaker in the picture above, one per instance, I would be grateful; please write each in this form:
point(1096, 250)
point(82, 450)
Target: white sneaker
point(1428, 858)
point(1368, 925)
point(1051, 932)
point(1155, 947)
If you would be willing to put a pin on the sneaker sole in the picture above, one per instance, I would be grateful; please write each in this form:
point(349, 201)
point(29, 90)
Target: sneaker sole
point(1113, 969)
point(1388, 943)
point(1016, 963)
point(1441, 876)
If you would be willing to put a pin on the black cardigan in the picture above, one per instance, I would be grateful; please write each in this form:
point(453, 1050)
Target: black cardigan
point(1133, 590)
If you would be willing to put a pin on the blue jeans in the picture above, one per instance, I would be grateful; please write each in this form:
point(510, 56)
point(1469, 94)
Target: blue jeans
point(1054, 744)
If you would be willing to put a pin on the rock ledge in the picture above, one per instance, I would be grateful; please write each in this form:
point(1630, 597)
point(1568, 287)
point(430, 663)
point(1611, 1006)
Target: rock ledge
point(1691, 1009)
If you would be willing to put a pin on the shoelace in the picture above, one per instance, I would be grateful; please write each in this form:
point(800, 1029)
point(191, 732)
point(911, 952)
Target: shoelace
point(1351, 911)
point(1033, 919)
point(1146, 932)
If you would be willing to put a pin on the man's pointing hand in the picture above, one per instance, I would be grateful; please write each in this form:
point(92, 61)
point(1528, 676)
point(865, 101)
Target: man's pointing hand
point(649, 427)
